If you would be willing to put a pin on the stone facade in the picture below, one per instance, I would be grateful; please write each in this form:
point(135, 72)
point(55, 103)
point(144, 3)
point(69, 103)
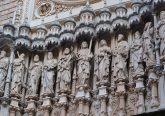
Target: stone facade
point(107, 60)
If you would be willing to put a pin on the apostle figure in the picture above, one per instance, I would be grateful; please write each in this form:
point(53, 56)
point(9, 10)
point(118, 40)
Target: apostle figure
point(4, 61)
point(18, 74)
point(48, 74)
point(83, 57)
point(65, 66)
point(137, 55)
point(102, 62)
point(35, 72)
point(121, 55)
point(149, 54)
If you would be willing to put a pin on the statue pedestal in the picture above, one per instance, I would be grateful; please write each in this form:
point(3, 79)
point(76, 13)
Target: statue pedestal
point(103, 97)
point(14, 102)
point(46, 106)
point(31, 107)
point(14, 106)
point(121, 87)
point(83, 97)
point(103, 91)
point(63, 98)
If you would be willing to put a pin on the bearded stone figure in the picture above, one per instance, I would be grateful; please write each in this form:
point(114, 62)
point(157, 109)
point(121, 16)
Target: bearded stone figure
point(18, 74)
point(121, 56)
point(48, 74)
point(83, 57)
point(102, 62)
point(149, 54)
point(65, 66)
point(137, 55)
point(35, 71)
point(4, 61)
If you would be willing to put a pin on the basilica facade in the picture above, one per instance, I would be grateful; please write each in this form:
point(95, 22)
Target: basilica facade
point(83, 58)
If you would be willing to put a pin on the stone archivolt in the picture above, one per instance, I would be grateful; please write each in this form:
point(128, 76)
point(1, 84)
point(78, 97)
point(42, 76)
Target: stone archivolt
point(98, 67)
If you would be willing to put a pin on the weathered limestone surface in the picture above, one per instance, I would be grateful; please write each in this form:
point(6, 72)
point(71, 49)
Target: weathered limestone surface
point(96, 62)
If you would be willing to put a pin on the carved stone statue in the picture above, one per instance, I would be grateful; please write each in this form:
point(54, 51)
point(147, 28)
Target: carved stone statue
point(35, 72)
point(84, 56)
point(149, 54)
point(18, 74)
point(121, 56)
point(65, 66)
point(4, 61)
point(102, 62)
point(48, 74)
point(137, 55)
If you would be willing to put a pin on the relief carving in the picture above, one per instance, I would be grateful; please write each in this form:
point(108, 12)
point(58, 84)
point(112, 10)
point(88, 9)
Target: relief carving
point(35, 72)
point(48, 75)
point(121, 55)
point(102, 63)
point(18, 74)
point(65, 67)
point(84, 57)
point(4, 62)
point(137, 55)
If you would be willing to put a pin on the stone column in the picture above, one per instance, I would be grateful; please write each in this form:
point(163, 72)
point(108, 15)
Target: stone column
point(122, 105)
point(86, 108)
point(46, 106)
point(154, 100)
point(121, 93)
point(103, 106)
point(63, 110)
point(80, 107)
point(162, 90)
point(94, 79)
point(12, 111)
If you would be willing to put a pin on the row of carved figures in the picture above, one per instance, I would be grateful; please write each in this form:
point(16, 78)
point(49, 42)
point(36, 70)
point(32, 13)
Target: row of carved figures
point(141, 50)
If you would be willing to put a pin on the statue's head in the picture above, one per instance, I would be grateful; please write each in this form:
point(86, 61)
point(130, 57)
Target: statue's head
point(103, 43)
point(84, 44)
point(137, 35)
point(22, 56)
point(3, 53)
point(50, 55)
point(120, 37)
point(36, 58)
point(66, 51)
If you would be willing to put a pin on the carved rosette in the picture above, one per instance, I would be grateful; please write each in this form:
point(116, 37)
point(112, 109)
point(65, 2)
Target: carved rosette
point(67, 34)
point(121, 20)
point(103, 25)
